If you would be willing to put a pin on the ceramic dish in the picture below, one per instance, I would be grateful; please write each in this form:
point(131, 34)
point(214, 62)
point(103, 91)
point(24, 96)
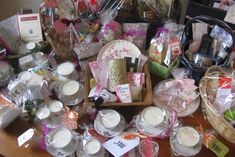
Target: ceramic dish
point(118, 49)
point(149, 131)
point(109, 132)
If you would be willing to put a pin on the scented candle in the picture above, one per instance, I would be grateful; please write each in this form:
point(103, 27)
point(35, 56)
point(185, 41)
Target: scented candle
point(55, 106)
point(61, 138)
point(43, 113)
point(153, 116)
point(92, 147)
point(70, 87)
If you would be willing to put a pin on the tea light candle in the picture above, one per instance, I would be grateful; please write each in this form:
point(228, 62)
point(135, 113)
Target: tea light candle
point(61, 138)
point(153, 116)
point(55, 106)
point(43, 113)
point(70, 87)
point(92, 147)
point(188, 136)
point(110, 119)
point(66, 68)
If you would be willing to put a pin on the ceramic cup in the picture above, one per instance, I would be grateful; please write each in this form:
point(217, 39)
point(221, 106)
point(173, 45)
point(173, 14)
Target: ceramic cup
point(185, 141)
point(67, 70)
point(188, 136)
point(61, 141)
point(153, 116)
point(92, 147)
point(110, 119)
point(55, 106)
point(71, 92)
point(43, 113)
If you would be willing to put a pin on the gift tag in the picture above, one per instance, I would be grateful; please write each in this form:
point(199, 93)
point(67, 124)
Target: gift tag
point(118, 146)
point(224, 90)
point(217, 147)
point(22, 139)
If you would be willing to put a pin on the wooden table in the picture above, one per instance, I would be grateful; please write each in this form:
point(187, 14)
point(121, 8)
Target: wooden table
point(9, 146)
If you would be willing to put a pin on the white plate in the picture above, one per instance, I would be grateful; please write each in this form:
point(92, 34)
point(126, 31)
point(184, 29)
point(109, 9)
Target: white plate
point(110, 132)
point(118, 49)
point(149, 131)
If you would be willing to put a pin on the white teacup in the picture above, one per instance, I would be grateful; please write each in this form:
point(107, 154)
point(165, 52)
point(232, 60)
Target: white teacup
point(61, 140)
point(55, 106)
point(153, 116)
point(67, 70)
point(43, 113)
point(71, 92)
point(188, 136)
point(110, 119)
point(92, 147)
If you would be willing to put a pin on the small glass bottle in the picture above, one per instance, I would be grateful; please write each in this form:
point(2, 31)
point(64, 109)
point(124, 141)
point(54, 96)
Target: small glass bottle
point(222, 55)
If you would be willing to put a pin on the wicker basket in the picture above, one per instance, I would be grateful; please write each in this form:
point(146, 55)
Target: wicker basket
point(223, 127)
point(147, 98)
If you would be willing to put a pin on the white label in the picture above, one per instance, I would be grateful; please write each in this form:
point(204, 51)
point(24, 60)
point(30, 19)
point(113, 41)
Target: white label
point(222, 94)
point(25, 59)
point(30, 27)
point(22, 139)
point(118, 146)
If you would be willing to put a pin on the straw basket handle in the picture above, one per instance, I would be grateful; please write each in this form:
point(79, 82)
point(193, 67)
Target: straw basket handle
point(212, 71)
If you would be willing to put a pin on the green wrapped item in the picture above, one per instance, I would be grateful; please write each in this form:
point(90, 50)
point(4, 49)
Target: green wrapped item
point(229, 115)
point(161, 70)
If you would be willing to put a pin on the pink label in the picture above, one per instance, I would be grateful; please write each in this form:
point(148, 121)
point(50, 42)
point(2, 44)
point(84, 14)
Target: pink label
point(136, 79)
point(123, 93)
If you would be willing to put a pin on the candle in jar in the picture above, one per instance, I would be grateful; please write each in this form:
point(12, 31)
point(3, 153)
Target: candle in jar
point(61, 138)
point(92, 147)
point(43, 113)
point(70, 87)
point(153, 116)
point(65, 68)
point(188, 136)
point(56, 106)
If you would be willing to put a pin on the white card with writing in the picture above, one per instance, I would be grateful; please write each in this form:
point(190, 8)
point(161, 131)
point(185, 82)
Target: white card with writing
point(118, 146)
point(30, 27)
point(22, 139)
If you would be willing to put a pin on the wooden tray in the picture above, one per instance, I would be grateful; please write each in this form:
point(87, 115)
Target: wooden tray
point(147, 98)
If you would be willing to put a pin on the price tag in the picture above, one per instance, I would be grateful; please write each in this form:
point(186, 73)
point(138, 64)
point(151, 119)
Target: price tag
point(217, 147)
point(22, 139)
point(118, 146)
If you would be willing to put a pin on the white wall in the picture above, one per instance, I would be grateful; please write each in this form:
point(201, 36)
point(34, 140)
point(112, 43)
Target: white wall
point(11, 7)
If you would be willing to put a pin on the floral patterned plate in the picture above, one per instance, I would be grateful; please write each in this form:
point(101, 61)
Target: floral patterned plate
point(118, 49)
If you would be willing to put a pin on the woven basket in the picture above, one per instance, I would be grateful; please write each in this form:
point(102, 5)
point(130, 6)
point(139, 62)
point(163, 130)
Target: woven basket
point(208, 95)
